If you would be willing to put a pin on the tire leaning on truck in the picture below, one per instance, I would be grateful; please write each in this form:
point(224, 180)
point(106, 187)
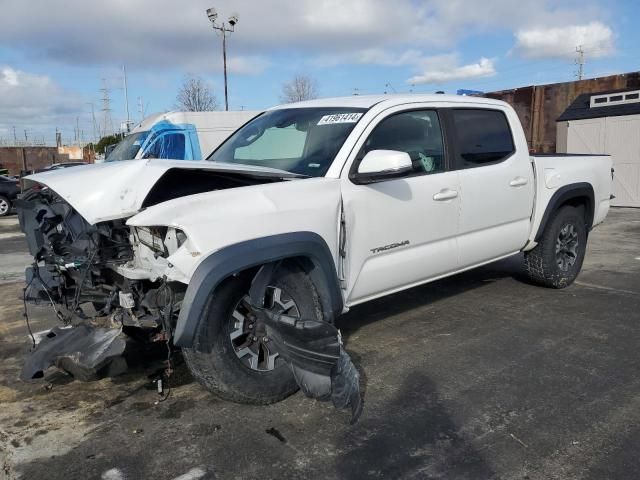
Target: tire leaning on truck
point(557, 259)
point(213, 360)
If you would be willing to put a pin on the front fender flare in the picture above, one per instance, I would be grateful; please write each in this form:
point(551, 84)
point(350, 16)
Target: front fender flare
point(251, 253)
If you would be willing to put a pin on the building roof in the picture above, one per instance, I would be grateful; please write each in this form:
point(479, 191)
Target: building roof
point(368, 101)
point(582, 108)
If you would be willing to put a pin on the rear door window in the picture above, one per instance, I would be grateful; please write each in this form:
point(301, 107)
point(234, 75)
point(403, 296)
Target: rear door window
point(482, 137)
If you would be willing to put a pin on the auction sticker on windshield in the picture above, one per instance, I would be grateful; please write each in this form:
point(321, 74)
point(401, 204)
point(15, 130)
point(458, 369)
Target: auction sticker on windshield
point(340, 118)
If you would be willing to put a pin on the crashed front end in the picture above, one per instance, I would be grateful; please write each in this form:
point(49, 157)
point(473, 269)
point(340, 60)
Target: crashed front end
point(108, 281)
point(78, 269)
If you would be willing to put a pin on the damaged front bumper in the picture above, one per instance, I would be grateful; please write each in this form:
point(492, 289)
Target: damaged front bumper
point(84, 351)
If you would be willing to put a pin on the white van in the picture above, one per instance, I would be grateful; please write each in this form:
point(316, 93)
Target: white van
point(179, 135)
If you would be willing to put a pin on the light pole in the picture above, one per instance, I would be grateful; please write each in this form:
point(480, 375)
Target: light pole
point(224, 28)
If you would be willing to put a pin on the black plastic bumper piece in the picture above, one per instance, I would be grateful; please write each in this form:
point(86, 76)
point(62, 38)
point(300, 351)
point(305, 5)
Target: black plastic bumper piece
point(82, 351)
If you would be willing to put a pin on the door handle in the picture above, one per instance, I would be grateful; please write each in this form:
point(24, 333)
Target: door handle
point(518, 182)
point(445, 194)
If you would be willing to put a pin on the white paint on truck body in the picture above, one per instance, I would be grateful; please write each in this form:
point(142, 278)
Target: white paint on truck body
point(399, 232)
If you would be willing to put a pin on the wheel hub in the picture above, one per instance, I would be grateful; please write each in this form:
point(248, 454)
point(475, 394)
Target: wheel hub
point(248, 336)
point(567, 247)
point(4, 206)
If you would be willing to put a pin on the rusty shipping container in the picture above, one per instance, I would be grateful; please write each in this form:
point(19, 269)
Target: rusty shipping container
point(539, 106)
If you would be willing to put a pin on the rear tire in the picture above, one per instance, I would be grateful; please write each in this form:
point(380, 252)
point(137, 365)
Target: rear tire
point(5, 206)
point(213, 360)
point(557, 259)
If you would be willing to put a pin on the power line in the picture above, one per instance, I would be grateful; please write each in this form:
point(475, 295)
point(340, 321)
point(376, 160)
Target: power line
point(580, 62)
point(107, 123)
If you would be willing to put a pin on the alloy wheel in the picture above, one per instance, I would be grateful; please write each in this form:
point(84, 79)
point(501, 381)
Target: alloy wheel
point(567, 247)
point(248, 336)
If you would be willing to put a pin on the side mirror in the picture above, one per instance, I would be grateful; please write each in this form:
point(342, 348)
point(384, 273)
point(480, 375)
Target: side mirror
point(380, 165)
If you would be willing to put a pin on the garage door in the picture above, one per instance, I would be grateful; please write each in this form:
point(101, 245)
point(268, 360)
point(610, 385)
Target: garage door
point(616, 136)
point(622, 141)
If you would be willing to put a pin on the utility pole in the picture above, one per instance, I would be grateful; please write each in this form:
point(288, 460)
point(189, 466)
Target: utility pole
point(141, 108)
point(15, 138)
point(26, 139)
point(95, 124)
point(224, 29)
point(580, 62)
point(126, 97)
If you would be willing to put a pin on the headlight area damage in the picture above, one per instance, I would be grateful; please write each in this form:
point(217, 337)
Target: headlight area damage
point(75, 270)
point(106, 282)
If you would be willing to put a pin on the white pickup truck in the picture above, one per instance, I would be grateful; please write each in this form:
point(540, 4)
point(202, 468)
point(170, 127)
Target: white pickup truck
point(245, 260)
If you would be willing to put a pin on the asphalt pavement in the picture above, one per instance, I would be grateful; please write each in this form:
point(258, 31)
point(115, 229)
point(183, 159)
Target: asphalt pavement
point(479, 376)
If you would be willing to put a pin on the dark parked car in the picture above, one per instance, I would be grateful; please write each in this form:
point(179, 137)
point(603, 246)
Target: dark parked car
point(9, 190)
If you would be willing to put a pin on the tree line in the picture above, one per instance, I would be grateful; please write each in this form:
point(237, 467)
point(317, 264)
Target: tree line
point(196, 96)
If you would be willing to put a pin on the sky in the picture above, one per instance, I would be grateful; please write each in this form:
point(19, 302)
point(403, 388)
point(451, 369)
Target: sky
point(56, 56)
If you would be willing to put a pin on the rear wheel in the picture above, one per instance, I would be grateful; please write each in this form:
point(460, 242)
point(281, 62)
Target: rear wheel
point(557, 259)
point(232, 355)
point(5, 206)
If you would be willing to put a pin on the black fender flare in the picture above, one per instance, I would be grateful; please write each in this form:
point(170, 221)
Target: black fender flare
point(563, 195)
point(252, 253)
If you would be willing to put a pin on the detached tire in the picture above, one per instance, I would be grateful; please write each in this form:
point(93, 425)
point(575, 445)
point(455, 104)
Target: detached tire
point(216, 359)
point(5, 206)
point(557, 259)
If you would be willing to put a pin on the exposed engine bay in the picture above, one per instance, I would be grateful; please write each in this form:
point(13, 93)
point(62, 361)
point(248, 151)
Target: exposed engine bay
point(75, 270)
point(76, 264)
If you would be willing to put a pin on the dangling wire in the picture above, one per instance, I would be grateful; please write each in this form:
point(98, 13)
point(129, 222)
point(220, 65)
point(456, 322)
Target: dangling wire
point(76, 297)
point(25, 314)
point(165, 317)
point(36, 271)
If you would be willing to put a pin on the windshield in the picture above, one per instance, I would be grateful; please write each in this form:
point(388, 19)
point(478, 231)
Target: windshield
point(298, 140)
point(128, 147)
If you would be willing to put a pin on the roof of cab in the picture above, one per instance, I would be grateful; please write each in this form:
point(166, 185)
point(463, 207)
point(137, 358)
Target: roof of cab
point(368, 101)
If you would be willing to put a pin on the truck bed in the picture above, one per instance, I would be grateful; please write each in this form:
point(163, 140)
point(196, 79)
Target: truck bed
point(554, 171)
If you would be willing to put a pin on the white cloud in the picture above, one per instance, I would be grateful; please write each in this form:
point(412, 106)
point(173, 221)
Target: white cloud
point(430, 69)
point(9, 77)
point(446, 68)
point(392, 59)
point(33, 100)
point(164, 34)
point(248, 65)
point(596, 38)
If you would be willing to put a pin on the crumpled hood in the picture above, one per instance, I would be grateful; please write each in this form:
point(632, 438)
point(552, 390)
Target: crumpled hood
point(112, 190)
